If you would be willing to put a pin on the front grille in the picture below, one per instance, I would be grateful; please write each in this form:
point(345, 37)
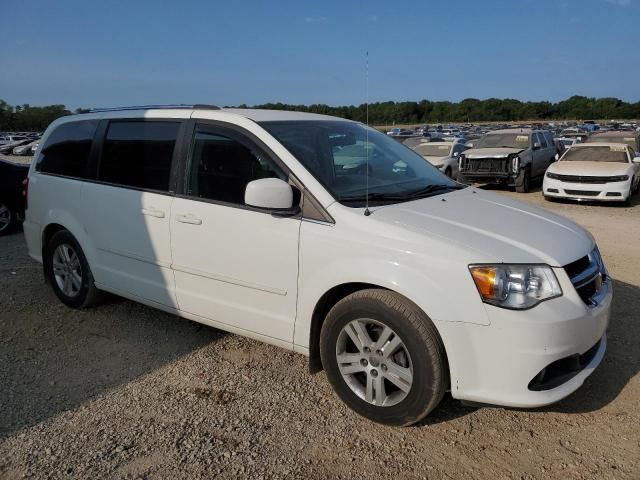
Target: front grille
point(583, 193)
point(485, 165)
point(580, 265)
point(581, 178)
point(588, 276)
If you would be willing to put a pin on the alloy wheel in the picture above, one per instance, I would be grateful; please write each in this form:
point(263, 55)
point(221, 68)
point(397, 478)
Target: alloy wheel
point(67, 270)
point(374, 362)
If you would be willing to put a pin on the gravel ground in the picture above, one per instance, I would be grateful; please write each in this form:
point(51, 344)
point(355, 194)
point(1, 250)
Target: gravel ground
point(124, 391)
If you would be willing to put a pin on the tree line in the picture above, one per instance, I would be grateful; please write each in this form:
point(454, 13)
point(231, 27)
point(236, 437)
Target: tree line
point(29, 118)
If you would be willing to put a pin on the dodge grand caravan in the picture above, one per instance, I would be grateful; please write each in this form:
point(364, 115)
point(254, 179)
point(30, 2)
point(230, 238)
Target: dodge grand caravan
point(398, 282)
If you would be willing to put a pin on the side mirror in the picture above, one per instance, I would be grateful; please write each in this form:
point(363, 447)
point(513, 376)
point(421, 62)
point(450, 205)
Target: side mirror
point(636, 159)
point(536, 146)
point(271, 194)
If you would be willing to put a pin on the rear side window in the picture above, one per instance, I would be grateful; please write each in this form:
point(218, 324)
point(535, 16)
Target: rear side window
point(138, 154)
point(67, 149)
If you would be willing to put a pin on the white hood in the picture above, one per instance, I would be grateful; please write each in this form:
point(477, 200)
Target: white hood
point(589, 169)
point(493, 225)
point(434, 160)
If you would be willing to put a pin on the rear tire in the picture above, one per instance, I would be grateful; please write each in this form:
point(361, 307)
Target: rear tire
point(67, 270)
point(395, 371)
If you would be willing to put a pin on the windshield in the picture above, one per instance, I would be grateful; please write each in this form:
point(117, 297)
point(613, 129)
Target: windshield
point(596, 154)
point(432, 150)
point(627, 140)
point(336, 152)
point(504, 140)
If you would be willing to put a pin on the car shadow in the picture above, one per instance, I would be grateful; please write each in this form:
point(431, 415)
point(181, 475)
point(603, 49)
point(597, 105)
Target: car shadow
point(621, 363)
point(53, 358)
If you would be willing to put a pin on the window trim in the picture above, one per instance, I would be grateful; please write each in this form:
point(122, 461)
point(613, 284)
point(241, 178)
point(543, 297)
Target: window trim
point(315, 211)
point(99, 141)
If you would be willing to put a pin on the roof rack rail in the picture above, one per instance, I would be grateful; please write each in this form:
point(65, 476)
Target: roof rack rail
point(149, 107)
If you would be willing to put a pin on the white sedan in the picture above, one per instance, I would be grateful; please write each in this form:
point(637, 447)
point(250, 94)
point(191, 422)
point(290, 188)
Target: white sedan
point(594, 171)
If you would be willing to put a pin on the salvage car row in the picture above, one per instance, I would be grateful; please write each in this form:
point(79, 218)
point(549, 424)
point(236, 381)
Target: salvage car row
point(604, 166)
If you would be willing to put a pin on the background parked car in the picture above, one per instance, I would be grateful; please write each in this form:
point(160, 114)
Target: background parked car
point(510, 157)
point(442, 155)
point(11, 199)
point(594, 171)
point(26, 148)
point(618, 136)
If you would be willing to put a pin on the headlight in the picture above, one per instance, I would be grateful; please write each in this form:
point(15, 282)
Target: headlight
point(516, 287)
point(515, 164)
point(619, 178)
point(555, 176)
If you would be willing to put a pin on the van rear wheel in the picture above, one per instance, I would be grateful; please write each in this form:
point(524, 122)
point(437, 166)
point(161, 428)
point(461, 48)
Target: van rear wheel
point(384, 357)
point(67, 270)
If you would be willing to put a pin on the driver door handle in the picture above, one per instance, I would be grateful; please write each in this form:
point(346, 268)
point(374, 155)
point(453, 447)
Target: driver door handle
point(188, 218)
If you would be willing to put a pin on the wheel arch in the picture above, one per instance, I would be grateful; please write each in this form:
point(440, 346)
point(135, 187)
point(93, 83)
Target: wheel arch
point(327, 301)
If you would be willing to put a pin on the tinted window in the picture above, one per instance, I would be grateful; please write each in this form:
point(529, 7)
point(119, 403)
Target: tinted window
point(221, 167)
point(138, 154)
point(542, 140)
point(67, 149)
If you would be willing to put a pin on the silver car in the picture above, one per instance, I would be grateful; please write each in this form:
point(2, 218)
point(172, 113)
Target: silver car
point(443, 155)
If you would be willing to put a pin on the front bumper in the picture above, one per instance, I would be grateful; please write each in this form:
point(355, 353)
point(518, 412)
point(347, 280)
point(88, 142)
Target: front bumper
point(499, 363)
point(601, 192)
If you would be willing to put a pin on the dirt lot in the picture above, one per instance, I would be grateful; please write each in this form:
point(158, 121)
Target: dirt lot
point(124, 391)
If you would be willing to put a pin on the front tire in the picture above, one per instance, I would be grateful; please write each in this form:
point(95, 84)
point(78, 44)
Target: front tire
point(7, 219)
point(384, 357)
point(67, 270)
point(523, 182)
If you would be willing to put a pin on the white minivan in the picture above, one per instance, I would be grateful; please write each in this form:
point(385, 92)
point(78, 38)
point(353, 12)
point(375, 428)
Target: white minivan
point(325, 237)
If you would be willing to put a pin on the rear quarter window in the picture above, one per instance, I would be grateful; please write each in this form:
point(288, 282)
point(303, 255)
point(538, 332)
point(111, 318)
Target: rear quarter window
point(66, 151)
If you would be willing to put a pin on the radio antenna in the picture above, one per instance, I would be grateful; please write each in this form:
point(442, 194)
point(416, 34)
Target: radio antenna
point(367, 212)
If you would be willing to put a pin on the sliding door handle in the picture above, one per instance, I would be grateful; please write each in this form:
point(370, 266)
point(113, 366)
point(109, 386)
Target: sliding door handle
point(189, 218)
point(152, 212)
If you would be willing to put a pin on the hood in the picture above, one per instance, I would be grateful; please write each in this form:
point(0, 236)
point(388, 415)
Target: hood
point(595, 169)
point(496, 227)
point(434, 160)
point(491, 152)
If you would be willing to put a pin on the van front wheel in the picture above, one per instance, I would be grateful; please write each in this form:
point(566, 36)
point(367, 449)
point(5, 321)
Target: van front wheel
point(384, 357)
point(68, 272)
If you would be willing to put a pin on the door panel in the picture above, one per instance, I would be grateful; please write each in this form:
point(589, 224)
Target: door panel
point(233, 264)
point(130, 232)
point(236, 266)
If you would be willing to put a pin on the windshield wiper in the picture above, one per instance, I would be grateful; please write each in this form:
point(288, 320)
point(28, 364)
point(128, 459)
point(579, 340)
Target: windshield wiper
point(374, 196)
point(420, 193)
point(433, 190)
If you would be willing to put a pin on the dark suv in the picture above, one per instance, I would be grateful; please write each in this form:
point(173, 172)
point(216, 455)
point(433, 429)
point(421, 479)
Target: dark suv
point(510, 157)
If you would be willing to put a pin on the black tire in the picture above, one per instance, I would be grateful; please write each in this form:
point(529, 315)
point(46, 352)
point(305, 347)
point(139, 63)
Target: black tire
point(419, 338)
point(8, 220)
point(523, 182)
point(87, 294)
point(462, 179)
point(448, 172)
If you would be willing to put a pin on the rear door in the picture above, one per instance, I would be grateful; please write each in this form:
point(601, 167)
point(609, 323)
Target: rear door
point(233, 264)
point(126, 210)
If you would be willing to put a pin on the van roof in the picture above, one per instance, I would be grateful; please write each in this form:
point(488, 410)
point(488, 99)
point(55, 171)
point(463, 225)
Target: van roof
point(182, 111)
